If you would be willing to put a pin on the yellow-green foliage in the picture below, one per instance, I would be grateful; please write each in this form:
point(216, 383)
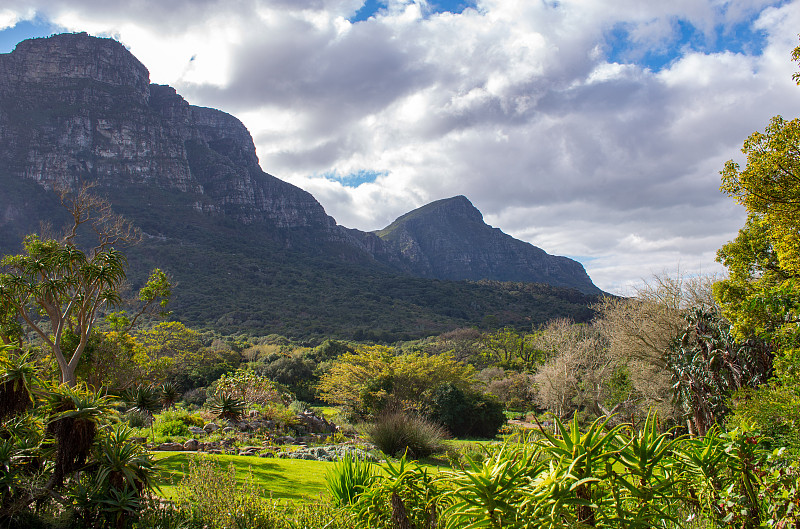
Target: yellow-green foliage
point(373, 377)
point(250, 388)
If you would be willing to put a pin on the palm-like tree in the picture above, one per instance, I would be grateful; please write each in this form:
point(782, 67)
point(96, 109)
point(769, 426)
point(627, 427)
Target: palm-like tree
point(144, 399)
point(227, 407)
point(122, 463)
point(169, 394)
point(74, 416)
point(18, 377)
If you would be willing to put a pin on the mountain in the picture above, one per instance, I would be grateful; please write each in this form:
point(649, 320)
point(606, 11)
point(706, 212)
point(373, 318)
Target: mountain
point(448, 239)
point(249, 251)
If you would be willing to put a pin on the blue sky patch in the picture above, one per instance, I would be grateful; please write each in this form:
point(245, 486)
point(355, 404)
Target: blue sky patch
point(372, 7)
point(740, 38)
point(354, 179)
point(25, 30)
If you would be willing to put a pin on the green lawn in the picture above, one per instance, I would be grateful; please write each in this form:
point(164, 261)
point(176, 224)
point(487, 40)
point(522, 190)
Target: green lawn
point(294, 479)
point(291, 479)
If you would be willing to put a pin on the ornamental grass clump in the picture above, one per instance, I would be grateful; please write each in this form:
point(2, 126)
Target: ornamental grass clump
point(397, 433)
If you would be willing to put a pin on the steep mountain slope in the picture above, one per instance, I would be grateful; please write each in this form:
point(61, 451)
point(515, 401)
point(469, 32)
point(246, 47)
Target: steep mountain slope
point(76, 108)
point(448, 239)
point(249, 251)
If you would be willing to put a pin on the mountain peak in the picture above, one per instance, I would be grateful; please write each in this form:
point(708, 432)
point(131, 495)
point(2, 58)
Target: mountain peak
point(446, 209)
point(76, 56)
point(448, 239)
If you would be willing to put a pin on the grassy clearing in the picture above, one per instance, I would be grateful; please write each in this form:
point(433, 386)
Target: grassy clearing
point(290, 479)
point(293, 479)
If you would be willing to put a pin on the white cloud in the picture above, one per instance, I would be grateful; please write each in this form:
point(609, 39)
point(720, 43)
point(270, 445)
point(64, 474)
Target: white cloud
point(512, 104)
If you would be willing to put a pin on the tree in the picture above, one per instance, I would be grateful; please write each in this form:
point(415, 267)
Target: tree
point(769, 186)
point(573, 377)
point(761, 296)
point(642, 330)
point(374, 378)
point(508, 348)
point(55, 287)
point(708, 364)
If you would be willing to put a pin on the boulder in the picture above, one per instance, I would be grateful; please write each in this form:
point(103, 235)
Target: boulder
point(196, 431)
point(210, 427)
point(314, 423)
point(191, 444)
point(170, 447)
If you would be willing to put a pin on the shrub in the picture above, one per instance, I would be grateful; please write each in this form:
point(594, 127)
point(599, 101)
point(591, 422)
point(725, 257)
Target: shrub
point(178, 414)
point(137, 419)
point(277, 413)
point(466, 414)
point(196, 396)
point(298, 406)
point(171, 428)
point(396, 433)
point(209, 496)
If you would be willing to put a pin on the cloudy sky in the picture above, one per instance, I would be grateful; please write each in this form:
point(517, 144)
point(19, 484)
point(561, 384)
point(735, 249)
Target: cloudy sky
point(594, 129)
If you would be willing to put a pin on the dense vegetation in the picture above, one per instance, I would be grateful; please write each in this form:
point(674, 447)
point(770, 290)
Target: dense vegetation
point(677, 407)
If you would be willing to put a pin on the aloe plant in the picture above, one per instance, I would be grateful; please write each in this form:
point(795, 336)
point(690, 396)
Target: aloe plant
point(490, 492)
point(18, 377)
point(75, 413)
point(585, 455)
point(405, 495)
point(227, 407)
point(348, 478)
point(646, 490)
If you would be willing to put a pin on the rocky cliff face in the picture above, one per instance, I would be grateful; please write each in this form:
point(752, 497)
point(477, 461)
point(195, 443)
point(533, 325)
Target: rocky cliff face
point(448, 239)
point(77, 108)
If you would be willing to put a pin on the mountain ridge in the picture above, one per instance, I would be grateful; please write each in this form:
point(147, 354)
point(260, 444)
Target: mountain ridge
point(76, 108)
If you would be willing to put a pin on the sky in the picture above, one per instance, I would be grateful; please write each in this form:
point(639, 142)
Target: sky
point(594, 129)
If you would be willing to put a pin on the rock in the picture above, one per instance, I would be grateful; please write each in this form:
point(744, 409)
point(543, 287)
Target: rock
point(196, 431)
point(170, 447)
point(314, 423)
point(327, 453)
point(210, 427)
point(229, 430)
point(191, 444)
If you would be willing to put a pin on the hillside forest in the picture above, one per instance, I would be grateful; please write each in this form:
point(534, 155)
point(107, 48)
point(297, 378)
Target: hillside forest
point(676, 407)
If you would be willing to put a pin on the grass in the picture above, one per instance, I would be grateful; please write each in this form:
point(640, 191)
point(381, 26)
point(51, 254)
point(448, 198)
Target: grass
point(331, 412)
point(292, 479)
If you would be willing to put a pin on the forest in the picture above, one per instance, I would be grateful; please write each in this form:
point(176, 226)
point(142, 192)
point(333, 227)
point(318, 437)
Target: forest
point(676, 407)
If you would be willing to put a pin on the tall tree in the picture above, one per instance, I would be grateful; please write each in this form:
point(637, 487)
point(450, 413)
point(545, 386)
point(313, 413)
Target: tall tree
point(762, 294)
point(55, 287)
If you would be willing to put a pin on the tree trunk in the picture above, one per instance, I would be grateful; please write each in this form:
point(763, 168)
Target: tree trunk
point(585, 512)
point(399, 516)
